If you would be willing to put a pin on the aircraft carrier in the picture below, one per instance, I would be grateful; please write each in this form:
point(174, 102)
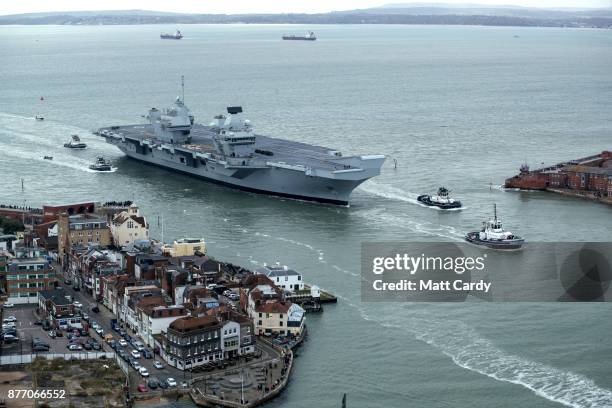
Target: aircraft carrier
point(228, 152)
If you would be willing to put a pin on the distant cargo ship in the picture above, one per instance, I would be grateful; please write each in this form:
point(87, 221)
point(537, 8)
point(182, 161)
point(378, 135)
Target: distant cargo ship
point(176, 36)
point(229, 152)
point(308, 37)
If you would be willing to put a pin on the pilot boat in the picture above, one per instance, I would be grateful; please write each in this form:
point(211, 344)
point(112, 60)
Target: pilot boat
point(492, 235)
point(101, 164)
point(48, 157)
point(75, 143)
point(442, 200)
point(39, 118)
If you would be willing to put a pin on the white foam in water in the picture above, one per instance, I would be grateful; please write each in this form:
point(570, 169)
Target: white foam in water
point(428, 228)
point(471, 351)
point(390, 192)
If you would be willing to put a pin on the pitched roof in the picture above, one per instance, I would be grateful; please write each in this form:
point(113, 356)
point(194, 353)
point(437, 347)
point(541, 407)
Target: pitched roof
point(193, 323)
point(273, 307)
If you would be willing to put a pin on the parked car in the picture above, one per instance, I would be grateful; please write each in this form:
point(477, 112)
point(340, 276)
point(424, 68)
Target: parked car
point(184, 384)
point(40, 348)
point(8, 325)
point(8, 305)
point(100, 331)
point(163, 385)
point(94, 325)
point(135, 354)
point(38, 322)
point(171, 382)
point(87, 346)
point(96, 345)
point(136, 365)
point(123, 343)
point(143, 371)
point(158, 365)
point(58, 333)
point(76, 288)
point(95, 309)
point(12, 332)
point(142, 388)
point(75, 347)
point(234, 296)
point(153, 383)
point(146, 353)
point(10, 319)
point(77, 304)
point(36, 341)
point(51, 333)
point(85, 317)
point(10, 338)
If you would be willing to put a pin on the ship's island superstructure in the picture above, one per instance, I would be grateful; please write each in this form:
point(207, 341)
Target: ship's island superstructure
point(228, 152)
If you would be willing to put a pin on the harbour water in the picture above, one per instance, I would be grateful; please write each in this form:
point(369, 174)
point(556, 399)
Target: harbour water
point(456, 106)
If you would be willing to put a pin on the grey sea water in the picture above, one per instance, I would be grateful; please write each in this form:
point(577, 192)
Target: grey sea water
point(455, 106)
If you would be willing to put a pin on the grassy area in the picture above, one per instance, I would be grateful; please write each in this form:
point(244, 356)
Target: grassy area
point(85, 381)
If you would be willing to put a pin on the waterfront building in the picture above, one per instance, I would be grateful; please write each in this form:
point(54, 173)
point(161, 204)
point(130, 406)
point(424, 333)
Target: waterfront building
point(128, 227)
point(287, 279)
point(185, 247)
point(278, 317)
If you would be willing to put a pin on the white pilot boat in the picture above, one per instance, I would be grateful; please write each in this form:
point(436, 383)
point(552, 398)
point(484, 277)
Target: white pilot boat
point(492, 235)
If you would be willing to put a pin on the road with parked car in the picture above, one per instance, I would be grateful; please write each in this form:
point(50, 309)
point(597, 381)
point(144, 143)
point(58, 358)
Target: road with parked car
point(151, 370)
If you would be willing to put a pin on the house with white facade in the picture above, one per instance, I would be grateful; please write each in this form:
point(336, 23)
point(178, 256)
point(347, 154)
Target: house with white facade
point(129, 226)
point(287, 279)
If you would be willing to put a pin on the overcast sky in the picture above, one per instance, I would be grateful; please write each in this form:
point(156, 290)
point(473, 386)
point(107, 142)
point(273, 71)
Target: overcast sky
point(253, 6)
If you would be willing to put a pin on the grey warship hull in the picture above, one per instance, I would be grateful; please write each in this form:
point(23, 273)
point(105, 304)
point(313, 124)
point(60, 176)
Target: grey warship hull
point(277, 167)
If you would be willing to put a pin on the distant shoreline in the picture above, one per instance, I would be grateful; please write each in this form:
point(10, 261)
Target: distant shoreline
point(411, 16)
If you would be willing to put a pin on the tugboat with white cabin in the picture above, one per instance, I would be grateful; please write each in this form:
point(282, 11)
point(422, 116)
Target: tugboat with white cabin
point(441, 200)
point(492, 235)
point(75, 143)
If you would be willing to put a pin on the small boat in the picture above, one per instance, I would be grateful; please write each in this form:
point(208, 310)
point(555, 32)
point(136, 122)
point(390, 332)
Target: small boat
point(75, 143)
point(39, 118)
point(310, 36)
point(176, 36)
point(48, 157)
point(101, 164)
point(442, 200)
point(492, 235)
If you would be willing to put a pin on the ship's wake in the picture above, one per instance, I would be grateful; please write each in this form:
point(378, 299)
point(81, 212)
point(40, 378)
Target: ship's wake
point(471, 351)
point(394, 193)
